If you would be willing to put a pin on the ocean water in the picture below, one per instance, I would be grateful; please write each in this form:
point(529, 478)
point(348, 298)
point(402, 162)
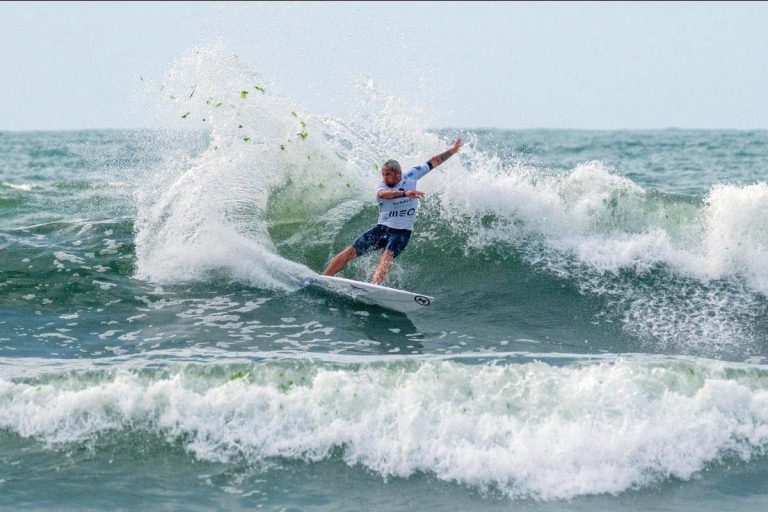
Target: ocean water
point(599, 339)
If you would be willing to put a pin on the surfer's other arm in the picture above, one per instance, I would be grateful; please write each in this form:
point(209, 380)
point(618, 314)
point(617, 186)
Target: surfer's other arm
point(442, 157)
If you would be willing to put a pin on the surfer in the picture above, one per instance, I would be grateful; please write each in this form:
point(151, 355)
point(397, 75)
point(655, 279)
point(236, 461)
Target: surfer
point(398, 201)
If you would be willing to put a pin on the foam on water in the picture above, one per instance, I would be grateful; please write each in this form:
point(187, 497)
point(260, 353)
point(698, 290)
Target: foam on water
point(737, 233)
point(527, 430)
point(610, 223)
point(609, 235)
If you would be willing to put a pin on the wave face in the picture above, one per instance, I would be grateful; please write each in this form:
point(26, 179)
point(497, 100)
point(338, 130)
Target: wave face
point(526, 430)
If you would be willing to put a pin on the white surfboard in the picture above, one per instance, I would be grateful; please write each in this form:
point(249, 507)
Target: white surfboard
point(367, 293)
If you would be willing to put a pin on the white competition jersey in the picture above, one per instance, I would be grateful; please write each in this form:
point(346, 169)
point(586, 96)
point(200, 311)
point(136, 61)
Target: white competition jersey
point(400, 213)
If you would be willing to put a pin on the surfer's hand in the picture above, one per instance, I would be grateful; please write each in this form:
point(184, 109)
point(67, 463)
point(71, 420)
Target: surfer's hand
point(456, 146)
point(416, 194)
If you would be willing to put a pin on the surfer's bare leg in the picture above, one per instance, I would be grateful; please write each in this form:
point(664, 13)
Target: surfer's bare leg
point(340, 261)
point(382, 269)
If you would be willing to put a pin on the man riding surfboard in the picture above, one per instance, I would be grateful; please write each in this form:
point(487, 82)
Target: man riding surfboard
point(398, 201)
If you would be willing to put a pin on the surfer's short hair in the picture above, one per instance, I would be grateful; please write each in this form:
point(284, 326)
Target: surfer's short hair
point(392, 164)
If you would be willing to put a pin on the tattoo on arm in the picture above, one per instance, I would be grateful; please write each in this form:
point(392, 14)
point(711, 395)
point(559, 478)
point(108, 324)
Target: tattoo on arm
point(390, 194)
point(442, 157)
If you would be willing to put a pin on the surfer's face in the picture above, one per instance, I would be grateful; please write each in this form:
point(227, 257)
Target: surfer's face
point(391, 176)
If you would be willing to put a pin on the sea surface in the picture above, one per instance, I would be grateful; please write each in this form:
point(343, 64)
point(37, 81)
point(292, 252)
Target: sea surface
point(598, 342)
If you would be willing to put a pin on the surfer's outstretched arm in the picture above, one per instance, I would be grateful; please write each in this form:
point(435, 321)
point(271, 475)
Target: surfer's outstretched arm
point(442, 157)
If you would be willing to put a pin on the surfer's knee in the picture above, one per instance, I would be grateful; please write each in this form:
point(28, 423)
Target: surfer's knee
point(349, 253)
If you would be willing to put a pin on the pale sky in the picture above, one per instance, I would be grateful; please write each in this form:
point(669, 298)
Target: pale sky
point(470, 65)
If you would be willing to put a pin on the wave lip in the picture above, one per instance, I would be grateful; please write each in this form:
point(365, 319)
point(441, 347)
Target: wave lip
point(528, 430)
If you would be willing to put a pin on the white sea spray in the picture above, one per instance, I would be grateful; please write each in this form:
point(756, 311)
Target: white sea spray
point(528, 430)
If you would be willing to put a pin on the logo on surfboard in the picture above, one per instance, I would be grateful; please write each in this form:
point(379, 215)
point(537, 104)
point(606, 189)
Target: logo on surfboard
point(421, 300)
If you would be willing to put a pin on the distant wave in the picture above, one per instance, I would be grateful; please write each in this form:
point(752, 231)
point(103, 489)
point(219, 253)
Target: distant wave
point(21, 187)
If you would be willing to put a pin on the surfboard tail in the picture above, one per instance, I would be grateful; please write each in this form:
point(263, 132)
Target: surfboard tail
point(307, 281)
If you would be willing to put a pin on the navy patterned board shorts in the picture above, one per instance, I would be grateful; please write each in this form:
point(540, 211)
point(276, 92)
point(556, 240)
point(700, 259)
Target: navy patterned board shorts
point(382, 236)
